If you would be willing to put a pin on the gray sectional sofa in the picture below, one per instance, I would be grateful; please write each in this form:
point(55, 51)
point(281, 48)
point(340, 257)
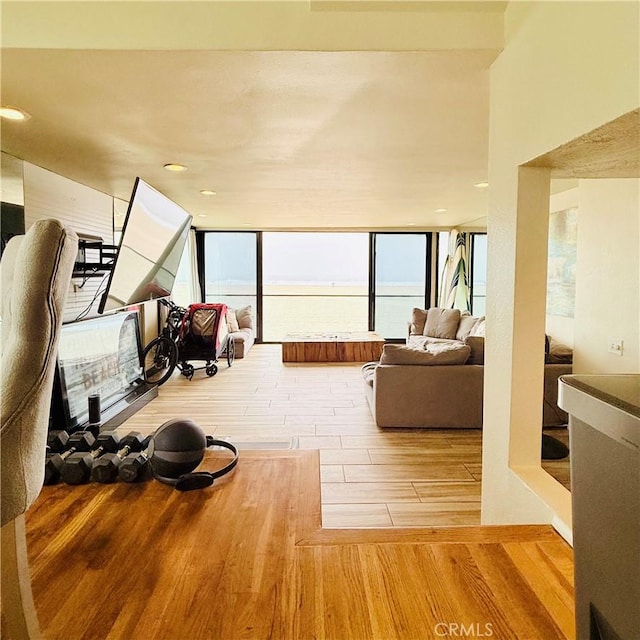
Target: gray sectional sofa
point(437, 380)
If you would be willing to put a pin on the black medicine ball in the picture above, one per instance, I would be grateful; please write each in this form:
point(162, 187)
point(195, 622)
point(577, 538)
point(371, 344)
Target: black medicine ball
point(177, 447)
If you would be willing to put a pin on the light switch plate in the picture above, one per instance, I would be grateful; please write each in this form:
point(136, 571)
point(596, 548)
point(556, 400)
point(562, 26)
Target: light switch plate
point(615, 346)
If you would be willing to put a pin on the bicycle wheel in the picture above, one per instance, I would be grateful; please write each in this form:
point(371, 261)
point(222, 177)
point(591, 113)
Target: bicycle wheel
point(231, 350)
point(159, 359)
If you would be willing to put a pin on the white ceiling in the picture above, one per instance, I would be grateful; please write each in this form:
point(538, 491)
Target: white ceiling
point(287, 138)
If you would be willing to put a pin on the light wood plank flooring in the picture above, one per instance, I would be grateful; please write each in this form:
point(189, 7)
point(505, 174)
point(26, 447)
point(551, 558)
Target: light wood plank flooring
point(370, 477)
point(247, 558)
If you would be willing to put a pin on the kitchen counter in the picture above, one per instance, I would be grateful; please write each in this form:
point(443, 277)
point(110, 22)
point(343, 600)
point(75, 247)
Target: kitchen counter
point(621, 391)
point(604, 436)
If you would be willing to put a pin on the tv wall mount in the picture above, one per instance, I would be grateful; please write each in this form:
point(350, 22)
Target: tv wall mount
point(94, 259)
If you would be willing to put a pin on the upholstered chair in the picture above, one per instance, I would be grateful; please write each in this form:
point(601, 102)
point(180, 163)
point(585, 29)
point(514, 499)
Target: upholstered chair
point(35, 273)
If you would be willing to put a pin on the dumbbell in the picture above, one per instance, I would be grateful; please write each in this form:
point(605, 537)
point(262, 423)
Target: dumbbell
point(53, 465)
point(57, 441)
point(57, 453)
point(134, 467)
point(82, 441)
point(77, 467)
point(105, 468)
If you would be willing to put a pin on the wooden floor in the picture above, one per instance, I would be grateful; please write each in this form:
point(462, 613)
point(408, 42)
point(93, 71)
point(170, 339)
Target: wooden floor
point(371, 477)
point(247, 558)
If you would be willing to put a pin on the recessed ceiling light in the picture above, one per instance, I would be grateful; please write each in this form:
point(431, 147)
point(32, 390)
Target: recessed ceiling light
point(481, 185)
point(13, 113)
point(441, 210)
point(207, 192)
point(411, 224)
point(177, 168)
point(202, 215)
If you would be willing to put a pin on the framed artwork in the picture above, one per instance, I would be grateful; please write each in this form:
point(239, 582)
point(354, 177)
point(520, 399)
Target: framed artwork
point(561, 269)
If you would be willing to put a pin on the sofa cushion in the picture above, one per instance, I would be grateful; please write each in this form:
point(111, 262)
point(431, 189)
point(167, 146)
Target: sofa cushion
point(418, 318)
point(420, 342)
point(466, 326)
point(480, 327)
point(558, 353)
point(476, 344)
point(368, 372)
point(442, 323)
point(243, 339)
point(432, 354)
point(452, 351)
point(245, 321)
point(232, 321)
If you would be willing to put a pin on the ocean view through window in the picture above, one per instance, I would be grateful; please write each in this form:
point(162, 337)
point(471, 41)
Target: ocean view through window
point(401, 274)
point(231, 268)
point(328, 282)
point(314, 283)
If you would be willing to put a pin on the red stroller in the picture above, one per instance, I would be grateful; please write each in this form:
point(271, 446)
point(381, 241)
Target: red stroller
point(204, 336)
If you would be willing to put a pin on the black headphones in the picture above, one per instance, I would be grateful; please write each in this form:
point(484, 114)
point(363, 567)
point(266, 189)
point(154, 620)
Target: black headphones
point(177, 448)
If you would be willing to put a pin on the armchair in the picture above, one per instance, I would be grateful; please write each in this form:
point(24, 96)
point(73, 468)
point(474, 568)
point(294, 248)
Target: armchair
point(35, 273)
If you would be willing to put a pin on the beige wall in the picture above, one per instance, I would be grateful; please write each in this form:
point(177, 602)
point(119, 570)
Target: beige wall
point(566, 69)
point(608, 276)
point(252, 25)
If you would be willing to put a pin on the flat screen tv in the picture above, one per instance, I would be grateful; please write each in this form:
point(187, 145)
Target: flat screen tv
point(153, 237)
point(100, 356)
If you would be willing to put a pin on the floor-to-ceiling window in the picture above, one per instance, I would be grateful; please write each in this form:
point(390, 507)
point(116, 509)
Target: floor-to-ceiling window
point(230, 268)
point(320, 282)
point(401, 279)
point(314, 283)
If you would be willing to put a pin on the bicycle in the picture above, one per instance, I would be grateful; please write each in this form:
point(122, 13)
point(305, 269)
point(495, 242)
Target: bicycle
point(160, 356)
point(175, 345)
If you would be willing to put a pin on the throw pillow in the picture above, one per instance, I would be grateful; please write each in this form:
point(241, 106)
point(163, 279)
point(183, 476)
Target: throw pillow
point(232, 321)
point(245, 321)
point(466, 326)
point(442, 323)
point(441, 354)
point(558, 353)
point(476, 344)
point(418, 318)
point(480, 327)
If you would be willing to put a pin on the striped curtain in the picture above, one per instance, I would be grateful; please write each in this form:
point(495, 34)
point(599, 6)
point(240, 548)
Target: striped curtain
point(454, 281)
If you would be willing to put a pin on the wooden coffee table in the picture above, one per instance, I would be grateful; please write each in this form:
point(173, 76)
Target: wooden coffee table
point(349, 346)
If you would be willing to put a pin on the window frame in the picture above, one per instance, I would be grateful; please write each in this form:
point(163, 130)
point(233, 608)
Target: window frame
point(200, 260)
point(431, 284)
point(428, 267)
point(472, 242)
